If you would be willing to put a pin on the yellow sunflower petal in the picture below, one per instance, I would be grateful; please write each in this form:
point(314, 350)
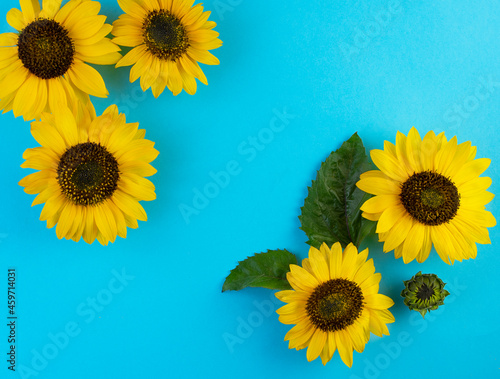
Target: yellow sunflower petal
point(132, 8)
point(293, 318)
point(348, 262)
point(87, 79)
point(398, 233)
point(316, 345)
point(90, 231)
point(389, 165)
point(413, 151)
point(319, 265)
point(8, 39)
point(30, 9)
point(471, 170)
point(14, 80)
point(66, 220)
point(428, 150)
point(66, 11)
point(141, 67)
point(137, 187)
point(442, 243)
point(174, 82)
point(105, 222)
point(304, 276)
point(424, 252)
point(378, 301)
point(377, 326)
point(181, 7)
point(356, 333)
point(148, 78)
point(476, 232)
point(25, 98)
point(188, 81)
point(129, 205)
point(445, 155)
point(474, 187)
point(52, 207)
point(202, 56)
point(378, 185)
point(380, 203)
point(159, 85)
point(364, 272)
point(15, 18)
point(479, 217)
point(413, 242)
point(50, 8)
point(46, 135)
point(87, 27)
point(344, 346)
point(192, 15)
point(66, 126)
point(302, 330)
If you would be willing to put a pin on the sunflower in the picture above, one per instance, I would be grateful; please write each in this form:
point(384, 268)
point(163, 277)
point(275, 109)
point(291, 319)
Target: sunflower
point(428, 192)
point(169, 38)
point(424, 293)
point(91, 174)
point(43, 65)
point(334, 303)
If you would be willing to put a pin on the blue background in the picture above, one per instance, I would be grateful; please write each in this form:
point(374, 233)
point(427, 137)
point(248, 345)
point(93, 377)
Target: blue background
point(374, 67)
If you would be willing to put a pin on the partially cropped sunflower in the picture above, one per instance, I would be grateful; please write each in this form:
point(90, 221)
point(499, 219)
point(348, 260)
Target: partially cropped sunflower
point(43, 66)
point(91, 174)
point(169, 38)
point(334, 303)
point(428, 192)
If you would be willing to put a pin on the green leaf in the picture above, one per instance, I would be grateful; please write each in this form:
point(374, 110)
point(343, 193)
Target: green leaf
point(266, 270)
point(331, 211)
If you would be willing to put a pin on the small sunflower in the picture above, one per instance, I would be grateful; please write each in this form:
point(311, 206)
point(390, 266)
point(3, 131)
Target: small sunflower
point(169, 38)
point(424, 293)
point(428, 192)
point(43, 66)
point(91, 174)
point(335, 303)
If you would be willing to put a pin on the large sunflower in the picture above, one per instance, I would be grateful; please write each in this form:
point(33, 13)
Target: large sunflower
point(91, 174)
point(428, 192)
point(44, 65)
point(169, 38)
point(335, 303)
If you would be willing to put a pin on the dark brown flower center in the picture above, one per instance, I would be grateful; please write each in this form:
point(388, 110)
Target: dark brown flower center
point(45, 49)
point(164, 35)
point(87, 174)
point(430, 198)
point(335, 304)
point(425, 292)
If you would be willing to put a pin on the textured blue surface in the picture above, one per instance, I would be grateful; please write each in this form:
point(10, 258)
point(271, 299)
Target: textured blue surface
point(374, 67)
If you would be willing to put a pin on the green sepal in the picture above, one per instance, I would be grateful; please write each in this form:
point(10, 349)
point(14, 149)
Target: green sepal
point(331, 211)
point(267, 270)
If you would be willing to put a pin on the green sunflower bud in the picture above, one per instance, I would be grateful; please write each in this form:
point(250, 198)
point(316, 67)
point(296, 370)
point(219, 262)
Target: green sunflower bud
point(424, 293)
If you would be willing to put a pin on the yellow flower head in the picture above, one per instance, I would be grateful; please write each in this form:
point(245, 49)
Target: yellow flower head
point(169, 38)
point(91, 174)
point(428, 192)
point(43, 66)
point(334, 303)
